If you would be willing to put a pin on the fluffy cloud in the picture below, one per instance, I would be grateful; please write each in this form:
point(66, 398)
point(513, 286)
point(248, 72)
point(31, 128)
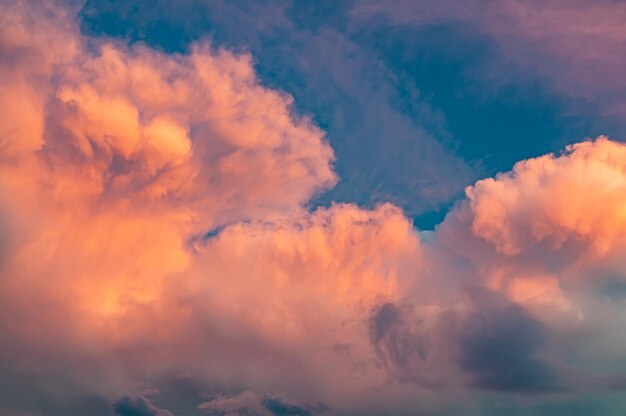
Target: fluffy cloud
point(260, 299)
point(552, 222)
point(114, 159)
point(552, 201)
point(129, 157)
point(155, 225)
point(127, 152)
point(515, 271)
point(114, 121)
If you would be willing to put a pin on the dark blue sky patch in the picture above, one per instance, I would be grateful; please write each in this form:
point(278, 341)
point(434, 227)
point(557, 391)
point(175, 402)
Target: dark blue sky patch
point(427, 220)
point(496, 126)
point(161, 24)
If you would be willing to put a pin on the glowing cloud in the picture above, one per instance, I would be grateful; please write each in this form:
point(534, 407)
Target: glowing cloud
point(579, 196)
point(155, 225)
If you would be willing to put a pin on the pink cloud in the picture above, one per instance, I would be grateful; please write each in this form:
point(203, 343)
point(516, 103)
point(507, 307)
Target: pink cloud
point(577, 197)
point(127, 152)
point(127, 158)
point(552, 227)
point(116, 161)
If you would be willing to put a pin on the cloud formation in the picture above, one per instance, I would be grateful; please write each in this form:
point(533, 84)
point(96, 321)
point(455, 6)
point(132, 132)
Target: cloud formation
point(141, 121)
point(483, 341)
point(555, 201)
point(155, 226)
point(552, 221)
point(384, 153)
point(129, 150)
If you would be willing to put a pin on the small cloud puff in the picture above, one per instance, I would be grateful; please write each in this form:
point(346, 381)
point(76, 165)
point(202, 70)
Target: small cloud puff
point(577, 197)
point(137, 406)
point(253, 404)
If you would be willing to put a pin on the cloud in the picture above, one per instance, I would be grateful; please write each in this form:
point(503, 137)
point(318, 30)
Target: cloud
point(250, 403)
point(554, 224)
point(386, 151)
point(137, 406)
point(113, 266)
point(553, 201)
point(274, 296)
point(484, 341)
point(499, 346)
point(407, 345)
point(160, 126)
point(157, 227)
point(132, 151)
point(114, 159)
point(521, 263)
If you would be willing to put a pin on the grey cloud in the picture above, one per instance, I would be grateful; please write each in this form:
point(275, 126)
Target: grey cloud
point(493, 343)
point(137, 406)
point(499, 346)
point(255, 404)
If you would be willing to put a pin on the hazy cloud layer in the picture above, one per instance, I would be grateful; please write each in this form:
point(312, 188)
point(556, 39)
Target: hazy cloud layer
point(575, 47)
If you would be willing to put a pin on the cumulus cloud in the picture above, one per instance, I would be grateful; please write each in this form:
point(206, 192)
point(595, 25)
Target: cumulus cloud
point(114, 158)
point(274, 296)
point(553, 201)
point(155, 218)
point(551, 223)
point(125, 120)
point(136, 156)
point(130, 150)
point(383, 153)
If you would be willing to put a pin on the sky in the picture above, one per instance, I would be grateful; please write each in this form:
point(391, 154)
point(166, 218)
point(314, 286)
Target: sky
point(409, 207)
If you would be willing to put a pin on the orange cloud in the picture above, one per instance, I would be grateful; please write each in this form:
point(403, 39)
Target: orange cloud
point(296, 290)
point(154, 218)
point(575, 197)
point(550, 229)
point(113, 157)
point(116, 160)
point(309, 270)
